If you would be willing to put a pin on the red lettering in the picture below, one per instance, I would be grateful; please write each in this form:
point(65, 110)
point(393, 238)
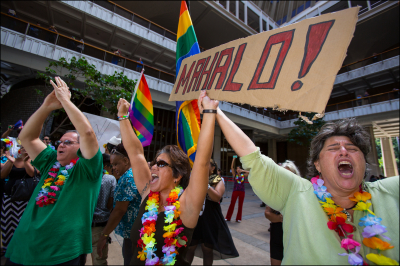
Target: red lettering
point(207, 73)
point(286, 38)
point(196, 73)
point(230, 85)
point(221, 69)
point(183, 79)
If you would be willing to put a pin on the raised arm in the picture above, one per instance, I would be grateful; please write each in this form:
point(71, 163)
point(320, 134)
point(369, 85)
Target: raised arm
point(133, 146)
point(9, 129)
point(29, 135)
point(87, 138)
point(239, 141)
point(194, 195)
point(233, 167)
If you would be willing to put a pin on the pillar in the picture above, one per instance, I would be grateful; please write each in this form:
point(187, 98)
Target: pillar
point(372, 157)
point(217, 146)
point(272, 153)
point(389, 160)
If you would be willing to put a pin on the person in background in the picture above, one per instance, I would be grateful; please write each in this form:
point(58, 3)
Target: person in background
point(211, 238)
point(71, 44)
point(11, 23)
point(47, 141)
point(359, 101)
point(276, 218)
point(62, 205)
point(126, 204)
point(115, 59)
point(219, 172)
point(239, 176)
point(13, 169)
point(34, 31)
point(52, 37)
point(111, 144)
point(139, 67)
point(14, 149)
point(81, 46)
point(102, 212)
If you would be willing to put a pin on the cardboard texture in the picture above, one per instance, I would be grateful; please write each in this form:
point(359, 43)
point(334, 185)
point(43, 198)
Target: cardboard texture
point(104, 128)
point(292, 68)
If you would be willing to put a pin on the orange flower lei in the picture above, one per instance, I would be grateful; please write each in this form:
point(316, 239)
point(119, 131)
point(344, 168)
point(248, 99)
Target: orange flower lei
point(173, 236)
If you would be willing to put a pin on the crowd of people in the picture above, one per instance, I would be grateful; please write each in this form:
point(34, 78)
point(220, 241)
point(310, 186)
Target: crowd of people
point(167, 212)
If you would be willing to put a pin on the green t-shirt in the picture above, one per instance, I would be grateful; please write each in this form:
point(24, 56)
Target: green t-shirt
point(59, 232)
point(307, 239)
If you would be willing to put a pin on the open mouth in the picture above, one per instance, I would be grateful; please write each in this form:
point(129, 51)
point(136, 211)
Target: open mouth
point(154, 178)
point(345, 168)
point(60, 152)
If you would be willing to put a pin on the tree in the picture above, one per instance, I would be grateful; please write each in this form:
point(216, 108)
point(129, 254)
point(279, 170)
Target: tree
point(104, 90)
point(305, 132)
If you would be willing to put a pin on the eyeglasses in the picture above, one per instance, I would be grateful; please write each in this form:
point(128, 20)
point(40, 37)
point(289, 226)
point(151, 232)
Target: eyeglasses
point(161, 164)
point(65, 142)
point(114, 151)
point(46, 139)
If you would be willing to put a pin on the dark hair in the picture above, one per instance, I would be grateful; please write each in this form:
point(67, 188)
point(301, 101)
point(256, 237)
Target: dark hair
point(73, 131)
point(3, 145)
point(110, 146)
point(121, 149)
point(179, 163)
point(349, 128)
point(213, 163)
point(106, 159)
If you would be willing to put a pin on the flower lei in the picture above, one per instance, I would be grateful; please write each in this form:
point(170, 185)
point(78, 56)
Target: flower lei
point(173, 236)
point(47, 195)
point(240, 181)
point(372, 229)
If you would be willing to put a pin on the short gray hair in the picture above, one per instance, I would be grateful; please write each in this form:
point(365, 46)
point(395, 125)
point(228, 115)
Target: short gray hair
point(349, 128)
point(73, 131)
point(291, 167)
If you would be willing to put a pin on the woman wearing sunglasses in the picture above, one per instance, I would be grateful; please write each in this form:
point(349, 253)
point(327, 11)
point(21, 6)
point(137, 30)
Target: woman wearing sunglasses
point(170, 203)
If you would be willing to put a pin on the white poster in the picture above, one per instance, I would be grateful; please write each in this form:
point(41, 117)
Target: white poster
point(104, 128)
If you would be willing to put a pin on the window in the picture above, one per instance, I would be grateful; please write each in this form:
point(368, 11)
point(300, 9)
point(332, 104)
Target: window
point(293, 13)
point(279, 22)
point(253, 20)
point(284, 19)
point(300, 8)
point(308, 3)
point(232, 7)
point(271, 27)
point(223, 4)
point(241, 11)
point(264, 25)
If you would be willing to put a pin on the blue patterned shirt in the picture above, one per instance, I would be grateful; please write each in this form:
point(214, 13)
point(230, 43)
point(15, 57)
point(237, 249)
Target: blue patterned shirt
point(126, 191)
point(4, 160)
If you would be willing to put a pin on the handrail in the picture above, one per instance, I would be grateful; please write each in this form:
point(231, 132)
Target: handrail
point(361, 98)
point(370, 57)
point(140, 17)
point(86, 44)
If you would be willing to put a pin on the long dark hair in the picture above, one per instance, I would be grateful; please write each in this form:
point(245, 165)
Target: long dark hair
point(213, 163)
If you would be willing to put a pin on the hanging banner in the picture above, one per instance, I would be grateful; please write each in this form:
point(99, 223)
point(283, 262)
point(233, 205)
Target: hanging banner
point(290, 68)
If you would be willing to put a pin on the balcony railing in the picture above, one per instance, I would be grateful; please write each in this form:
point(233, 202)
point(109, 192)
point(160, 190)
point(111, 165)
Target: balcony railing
point(62, 40)
point(381, 97)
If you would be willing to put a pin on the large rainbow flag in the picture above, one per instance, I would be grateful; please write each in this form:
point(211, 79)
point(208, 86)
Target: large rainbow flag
point(187, 112)
point(141, 112)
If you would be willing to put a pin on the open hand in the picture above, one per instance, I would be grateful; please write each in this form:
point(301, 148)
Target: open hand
point(10, 157)
point(62, 91)
point(27, 158)
point(204, 102)
point(52, 102)
point(100, 245)
point(123, 107)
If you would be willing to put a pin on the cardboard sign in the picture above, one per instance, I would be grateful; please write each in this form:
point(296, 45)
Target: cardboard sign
point(104, 128)
point(293, 67)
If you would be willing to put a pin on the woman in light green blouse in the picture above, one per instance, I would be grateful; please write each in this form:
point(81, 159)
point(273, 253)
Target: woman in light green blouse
point(338, 162)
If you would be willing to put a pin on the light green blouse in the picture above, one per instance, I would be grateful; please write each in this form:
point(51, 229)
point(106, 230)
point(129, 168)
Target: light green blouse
point(306, 236)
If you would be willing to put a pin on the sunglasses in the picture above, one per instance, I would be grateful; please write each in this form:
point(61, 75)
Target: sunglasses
point(65, 142)
point(161, 164)
point(114, 151)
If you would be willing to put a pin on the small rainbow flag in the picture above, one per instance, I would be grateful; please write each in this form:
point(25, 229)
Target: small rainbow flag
point(141, 112)
point(187, 112)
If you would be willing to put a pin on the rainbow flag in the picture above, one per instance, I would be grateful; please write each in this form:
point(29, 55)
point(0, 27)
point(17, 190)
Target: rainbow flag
point(141, 112)
point(187, 112)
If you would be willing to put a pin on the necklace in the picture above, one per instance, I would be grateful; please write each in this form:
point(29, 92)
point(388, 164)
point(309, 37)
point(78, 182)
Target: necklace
point(371, 223)
point(173, 236)
point(53, 184)
point(240, 180)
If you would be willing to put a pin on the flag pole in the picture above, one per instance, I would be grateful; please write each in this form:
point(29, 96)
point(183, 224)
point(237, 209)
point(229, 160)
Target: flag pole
point(136, 87)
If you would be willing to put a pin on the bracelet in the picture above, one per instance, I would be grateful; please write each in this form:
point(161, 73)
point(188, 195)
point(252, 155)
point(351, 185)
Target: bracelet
point(105, 234)
point(120, 118)
point(209, 111)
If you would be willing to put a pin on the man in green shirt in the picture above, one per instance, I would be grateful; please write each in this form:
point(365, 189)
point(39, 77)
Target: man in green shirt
point(56, 225)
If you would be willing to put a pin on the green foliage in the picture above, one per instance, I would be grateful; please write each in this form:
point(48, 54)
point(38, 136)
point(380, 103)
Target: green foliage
point(303, 133)
point(379, 152)
point(103, 89)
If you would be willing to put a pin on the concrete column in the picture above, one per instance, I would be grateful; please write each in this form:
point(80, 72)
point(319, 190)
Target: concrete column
point(245, 13)
point(217, 146)
point(272, 152)
point(389, 160)
point(372, 157)
point(237, 9)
